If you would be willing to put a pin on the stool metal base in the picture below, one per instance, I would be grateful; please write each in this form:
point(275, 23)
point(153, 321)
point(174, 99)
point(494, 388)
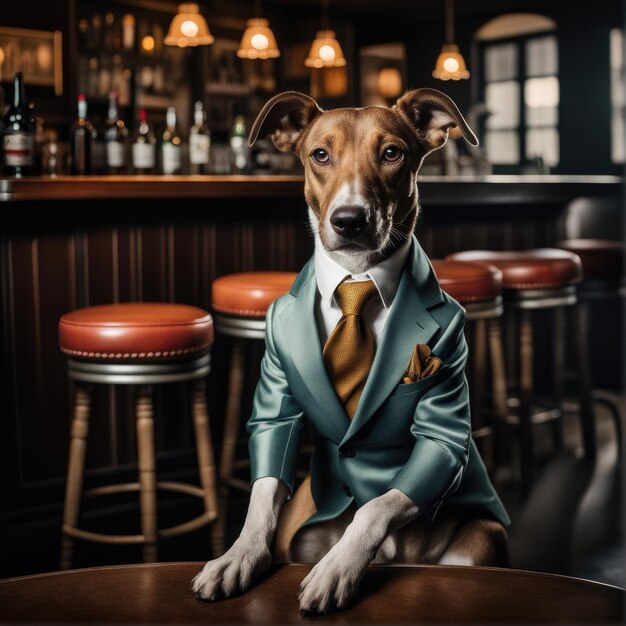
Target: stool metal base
point(540, 298)
point(243, 327)
point(487, 309)
point(115, 373)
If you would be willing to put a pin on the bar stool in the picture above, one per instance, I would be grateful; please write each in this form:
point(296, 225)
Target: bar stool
point(542, 279)
point(478, 287)
point(603, 279)
point(137, 344)
point(240, 302)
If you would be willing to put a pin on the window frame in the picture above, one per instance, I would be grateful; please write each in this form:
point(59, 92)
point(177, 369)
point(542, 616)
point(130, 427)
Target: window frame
point(520, 41)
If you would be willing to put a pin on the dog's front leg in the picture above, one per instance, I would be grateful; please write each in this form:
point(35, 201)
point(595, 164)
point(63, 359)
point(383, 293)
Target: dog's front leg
point(334, 581)
point(250, 555)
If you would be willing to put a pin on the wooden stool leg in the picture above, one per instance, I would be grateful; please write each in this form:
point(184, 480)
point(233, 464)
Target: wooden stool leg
point(526, 398)
point(498, 383)
point(147, 473)
point(231, 435)
point(587, 417)
point(482, 430)
point(76, 467)
point(558, 370)
point(204, 449)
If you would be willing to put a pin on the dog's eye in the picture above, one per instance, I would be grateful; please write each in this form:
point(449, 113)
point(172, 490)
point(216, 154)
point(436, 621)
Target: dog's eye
point(392, 154)
point(321, 156)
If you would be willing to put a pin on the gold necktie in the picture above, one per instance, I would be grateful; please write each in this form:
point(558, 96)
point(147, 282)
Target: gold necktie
point(349, 351)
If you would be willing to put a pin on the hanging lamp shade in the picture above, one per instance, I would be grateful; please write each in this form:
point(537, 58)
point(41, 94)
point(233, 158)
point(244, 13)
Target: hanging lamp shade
point(450, 64)
point(188, 28)
point(325, 51)
point(258, 41)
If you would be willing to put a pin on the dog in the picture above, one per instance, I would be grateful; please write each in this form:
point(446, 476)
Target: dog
point(380, 475)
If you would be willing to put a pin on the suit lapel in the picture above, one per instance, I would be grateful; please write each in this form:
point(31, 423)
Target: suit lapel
point(408, 324)
point(302, 335)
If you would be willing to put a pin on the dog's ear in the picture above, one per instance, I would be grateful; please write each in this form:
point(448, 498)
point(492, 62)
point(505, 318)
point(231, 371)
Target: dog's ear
point(433, 114)
point(285, 116)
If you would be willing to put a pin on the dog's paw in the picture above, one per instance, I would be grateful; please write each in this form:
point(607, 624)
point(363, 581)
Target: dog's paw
point(331, 584)
point(232, 573)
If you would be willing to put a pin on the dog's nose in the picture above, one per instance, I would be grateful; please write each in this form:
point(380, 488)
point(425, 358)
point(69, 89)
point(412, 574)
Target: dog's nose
point(349, 221)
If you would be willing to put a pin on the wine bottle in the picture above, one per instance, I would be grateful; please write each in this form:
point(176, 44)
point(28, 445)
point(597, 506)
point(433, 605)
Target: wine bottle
point(17, 134)
point(239, 145)
point(115, 138)
point(199, 142)
point(144, 146)
point(170, 145)
point(82, 140)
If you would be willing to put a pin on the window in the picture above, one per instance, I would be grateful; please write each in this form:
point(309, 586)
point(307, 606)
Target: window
point(520, 86)
point(618, 102)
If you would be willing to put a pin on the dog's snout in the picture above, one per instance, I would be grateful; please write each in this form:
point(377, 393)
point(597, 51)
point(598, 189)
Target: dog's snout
point(349, 221)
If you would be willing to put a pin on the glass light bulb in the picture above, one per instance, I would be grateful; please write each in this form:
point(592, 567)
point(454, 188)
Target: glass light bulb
point(189, 28)
point(451, 65)
point(147, 43)
point(259, 41)
point(327, 53)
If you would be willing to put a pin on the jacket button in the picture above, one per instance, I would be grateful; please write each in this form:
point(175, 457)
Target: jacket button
point(348, 491)
point(347, 453)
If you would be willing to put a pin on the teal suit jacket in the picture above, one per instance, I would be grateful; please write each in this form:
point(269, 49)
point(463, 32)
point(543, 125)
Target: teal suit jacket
point(414, 437)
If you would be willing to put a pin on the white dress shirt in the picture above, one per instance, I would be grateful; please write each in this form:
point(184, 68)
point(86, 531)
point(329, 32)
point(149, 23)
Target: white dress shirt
point(329, 274)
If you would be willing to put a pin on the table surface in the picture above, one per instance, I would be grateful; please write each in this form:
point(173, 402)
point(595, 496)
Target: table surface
point(159, 593)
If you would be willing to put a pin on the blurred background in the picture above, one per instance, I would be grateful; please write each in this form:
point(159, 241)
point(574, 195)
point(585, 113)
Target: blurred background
point(137, 87)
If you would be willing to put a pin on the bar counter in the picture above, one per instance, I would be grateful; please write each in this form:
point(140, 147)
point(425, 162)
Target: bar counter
point(434, 189)
point(73, 242)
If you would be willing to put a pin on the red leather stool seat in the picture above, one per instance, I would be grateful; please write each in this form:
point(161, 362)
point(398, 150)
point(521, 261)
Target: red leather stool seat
point(136, 331)
point(601, 258)
point(249, 294)
point(543, 268)
point(468, 282)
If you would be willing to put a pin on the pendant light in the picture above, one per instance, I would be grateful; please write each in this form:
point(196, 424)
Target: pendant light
point(258, 41)
point(325, 50)
point(450, 62)
point(188, 28)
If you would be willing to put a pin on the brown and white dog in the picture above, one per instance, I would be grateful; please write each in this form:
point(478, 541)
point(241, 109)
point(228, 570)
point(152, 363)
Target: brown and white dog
point(361, 168)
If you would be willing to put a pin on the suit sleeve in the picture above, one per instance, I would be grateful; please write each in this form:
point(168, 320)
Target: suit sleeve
point(276, 420)
point(441, 428)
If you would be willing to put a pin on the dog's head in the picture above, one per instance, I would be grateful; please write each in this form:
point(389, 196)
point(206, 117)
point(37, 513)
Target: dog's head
point(361, 165)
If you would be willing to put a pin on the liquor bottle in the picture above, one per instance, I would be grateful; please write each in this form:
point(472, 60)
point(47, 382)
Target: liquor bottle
point(82, 140)
point(239, 146)
point(199, 142)
point(115, 138)
point(17, 134)
point(170, 145)
point(144, 146)
point(128, 31)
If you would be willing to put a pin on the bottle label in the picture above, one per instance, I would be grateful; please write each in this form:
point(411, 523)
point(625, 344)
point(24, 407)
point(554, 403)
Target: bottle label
point(18, 149)
point(115, 154)
point(171, 158)
point(143, 156)
point(199, 146)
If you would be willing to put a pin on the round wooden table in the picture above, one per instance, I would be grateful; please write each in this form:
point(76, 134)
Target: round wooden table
point(159, 593)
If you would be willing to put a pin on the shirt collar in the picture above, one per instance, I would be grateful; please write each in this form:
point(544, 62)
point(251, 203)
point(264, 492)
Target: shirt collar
point(386, 275)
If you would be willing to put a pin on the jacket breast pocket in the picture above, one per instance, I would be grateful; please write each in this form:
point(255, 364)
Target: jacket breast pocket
point(419, 385)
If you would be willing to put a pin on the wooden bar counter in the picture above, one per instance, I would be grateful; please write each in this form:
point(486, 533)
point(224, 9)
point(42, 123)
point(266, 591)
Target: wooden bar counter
point(73, 242)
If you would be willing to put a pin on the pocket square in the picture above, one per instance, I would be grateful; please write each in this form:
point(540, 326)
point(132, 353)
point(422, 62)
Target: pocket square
point(422, 364)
